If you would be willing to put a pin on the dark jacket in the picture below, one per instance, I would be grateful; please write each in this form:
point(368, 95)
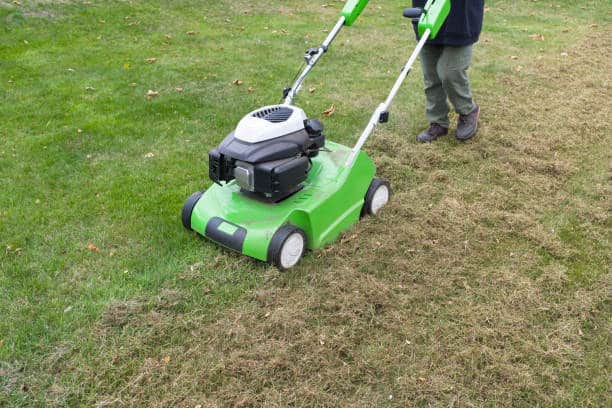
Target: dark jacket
point(463, 24)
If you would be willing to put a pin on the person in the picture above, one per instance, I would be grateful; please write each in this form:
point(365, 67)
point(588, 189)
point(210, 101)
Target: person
point(445, 61)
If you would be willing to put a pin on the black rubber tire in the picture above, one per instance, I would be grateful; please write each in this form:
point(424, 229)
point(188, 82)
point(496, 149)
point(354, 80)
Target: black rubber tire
point(278, 241)
point(369, 197)
point(188, 209)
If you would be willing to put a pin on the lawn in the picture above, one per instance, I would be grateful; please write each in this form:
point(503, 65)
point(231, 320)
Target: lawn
point(486, 281)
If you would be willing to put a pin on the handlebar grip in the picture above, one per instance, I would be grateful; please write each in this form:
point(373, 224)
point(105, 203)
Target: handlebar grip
point(433, 17)
point(352, 9)
point(413, 13)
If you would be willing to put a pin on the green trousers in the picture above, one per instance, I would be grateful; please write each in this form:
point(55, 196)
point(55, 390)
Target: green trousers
point(445, 78)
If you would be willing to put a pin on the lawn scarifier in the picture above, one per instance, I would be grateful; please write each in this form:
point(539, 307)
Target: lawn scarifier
point(285, 189)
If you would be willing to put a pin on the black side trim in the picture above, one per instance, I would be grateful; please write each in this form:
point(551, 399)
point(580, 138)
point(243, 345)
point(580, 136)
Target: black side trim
point(188, 208)
point(234, 241)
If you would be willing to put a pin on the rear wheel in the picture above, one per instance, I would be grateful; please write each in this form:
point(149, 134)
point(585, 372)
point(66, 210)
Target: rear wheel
point(188, 209)
point(287, 247)
point(377, 197)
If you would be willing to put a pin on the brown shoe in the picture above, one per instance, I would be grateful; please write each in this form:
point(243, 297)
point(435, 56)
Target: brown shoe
point(432, 133)
point(467, 125)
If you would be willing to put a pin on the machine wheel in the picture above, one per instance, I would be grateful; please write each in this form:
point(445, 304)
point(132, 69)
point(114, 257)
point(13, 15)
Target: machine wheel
point(188, 209)
point(377, 197)
point(287, 247)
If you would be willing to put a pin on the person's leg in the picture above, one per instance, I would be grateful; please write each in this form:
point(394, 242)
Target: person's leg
point(436, 105)
point(452, 71)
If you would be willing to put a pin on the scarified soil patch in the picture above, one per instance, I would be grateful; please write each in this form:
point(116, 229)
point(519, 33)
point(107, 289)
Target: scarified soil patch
point(469, 290)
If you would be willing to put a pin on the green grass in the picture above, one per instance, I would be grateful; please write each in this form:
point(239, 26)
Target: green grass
point(492, 261)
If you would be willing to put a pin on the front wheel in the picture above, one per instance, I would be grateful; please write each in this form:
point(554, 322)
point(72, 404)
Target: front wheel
point(377, 197)
point(287, 247)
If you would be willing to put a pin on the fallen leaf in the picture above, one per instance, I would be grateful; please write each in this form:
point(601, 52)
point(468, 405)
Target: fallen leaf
point(206, 290)
point(179, 89)
point(513, 57)
point(152, 94)
point(166, 359)
point(312, 89)
point(13, 249)
point(191, 33)
point(92, 248)
point(237, 82)
point(538, 37)
point(250, 89)
point(151, 60)
point(330, 111)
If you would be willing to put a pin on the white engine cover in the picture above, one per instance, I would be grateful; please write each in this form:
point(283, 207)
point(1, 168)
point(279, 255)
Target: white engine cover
point(253, 128)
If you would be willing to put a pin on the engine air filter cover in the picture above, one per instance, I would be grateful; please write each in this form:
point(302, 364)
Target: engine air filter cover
point(269, 123)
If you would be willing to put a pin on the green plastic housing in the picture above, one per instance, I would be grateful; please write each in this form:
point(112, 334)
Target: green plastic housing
point(330, 203)
point(352, 9)
point(434, 15)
